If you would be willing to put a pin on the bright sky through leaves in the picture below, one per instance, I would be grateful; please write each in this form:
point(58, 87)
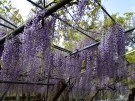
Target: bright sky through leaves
point(24, 7)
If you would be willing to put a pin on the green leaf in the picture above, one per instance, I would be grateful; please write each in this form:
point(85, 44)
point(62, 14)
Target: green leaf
point(131, 57)
point(16, 12)
point(82, 22)
point(39, 54)
point(69, 34)
point(9, 3)
point(83, 71)
point(62, 12)
point(52, 44)
point(19, 16)
point(69, 45)
point(70, 22)
point(1, 10)
point(5, 1)
point(57, 0)
point(0, 2)
point(83, 64)
point(75, 36)
point(95, 10)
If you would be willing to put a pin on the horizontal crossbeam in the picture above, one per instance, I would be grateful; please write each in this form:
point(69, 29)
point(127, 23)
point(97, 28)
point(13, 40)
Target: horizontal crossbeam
point(23, 82)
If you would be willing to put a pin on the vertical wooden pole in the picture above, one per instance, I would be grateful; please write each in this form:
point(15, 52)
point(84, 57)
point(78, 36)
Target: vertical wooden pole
point(66, 96)
point(17, 96)
point(23, 96)
point(46, 98)
point(5, 92)
point(28, 96)
point(44, 3)
point(60, 88)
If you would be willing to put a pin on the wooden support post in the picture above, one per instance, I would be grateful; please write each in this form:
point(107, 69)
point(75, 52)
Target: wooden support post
point(28, 96)
point(94, 95)
point(60, 88)
point(23, 96)
point(5, 92)
point(66, 96)
point(46, 97)
point(17, 96)
point(38, 97)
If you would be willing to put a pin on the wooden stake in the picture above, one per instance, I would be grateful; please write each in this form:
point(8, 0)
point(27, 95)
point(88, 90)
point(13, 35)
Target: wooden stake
point(60, 88)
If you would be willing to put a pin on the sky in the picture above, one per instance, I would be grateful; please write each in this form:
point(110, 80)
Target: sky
point(112, 6)
point(121, 6)
point(24, 7)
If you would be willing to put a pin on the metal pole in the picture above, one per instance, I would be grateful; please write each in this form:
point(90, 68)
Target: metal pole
point(35, 4)
point(129, 30)
point(87, 47)
point(2, 97)
point(62, 49)
point(105, 11)
point(48, 79)
point(6, 26)
point(44, 3)
point(8, 22)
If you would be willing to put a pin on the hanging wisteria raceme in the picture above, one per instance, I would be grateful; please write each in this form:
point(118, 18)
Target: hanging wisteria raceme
point(59, 63)
point(109, 61)
point(82, 4)
point(87, 69)
point(11, 56)
point(120, 35)
point(31, 56)
point(11, 59)
point(105, 58)
point(37, 56)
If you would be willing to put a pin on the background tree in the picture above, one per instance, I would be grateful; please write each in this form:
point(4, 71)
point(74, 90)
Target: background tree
point(10, 13)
